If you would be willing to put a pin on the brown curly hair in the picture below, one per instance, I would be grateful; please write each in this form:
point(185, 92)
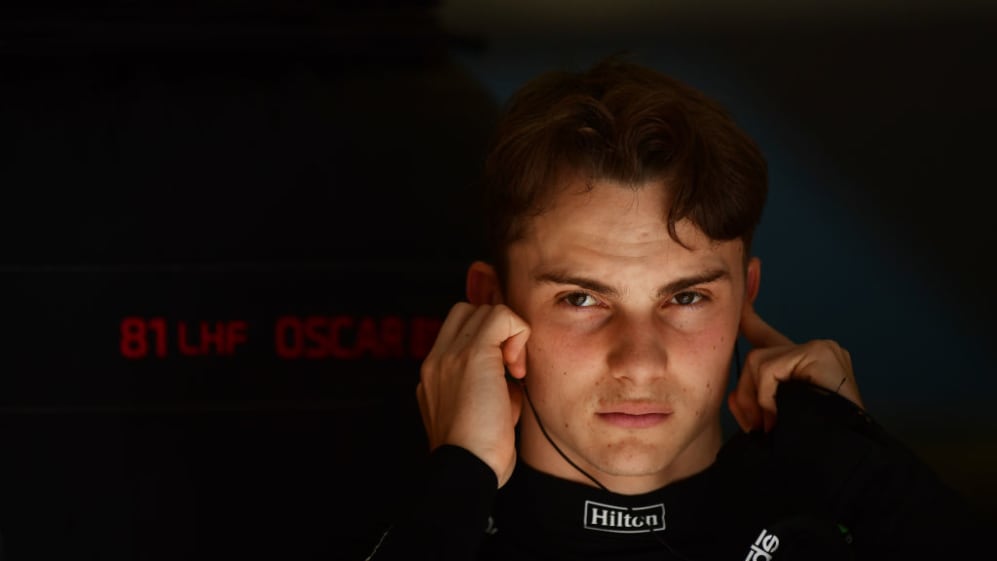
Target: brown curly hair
point(627, 123)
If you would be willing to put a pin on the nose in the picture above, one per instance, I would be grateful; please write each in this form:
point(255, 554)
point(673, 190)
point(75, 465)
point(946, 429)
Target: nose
point(637, 351)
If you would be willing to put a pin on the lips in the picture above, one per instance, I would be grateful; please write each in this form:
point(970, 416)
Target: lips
point(635, 415)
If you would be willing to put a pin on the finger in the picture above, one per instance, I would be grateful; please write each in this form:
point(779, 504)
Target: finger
point(514, 353)
point(759, 333)
point(745, 398)
point(503, 324)
point(768, 385)
point(473, 326)
point(453, 324)
point(818, 362)
point(455, 320)
point(768, 367)
point(848, 387)
point(427, 423)
point(843, 379)
point(755, 392)
point(735, 410)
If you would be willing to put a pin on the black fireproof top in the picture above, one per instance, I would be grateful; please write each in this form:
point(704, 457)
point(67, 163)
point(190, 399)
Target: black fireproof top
point(826, 484)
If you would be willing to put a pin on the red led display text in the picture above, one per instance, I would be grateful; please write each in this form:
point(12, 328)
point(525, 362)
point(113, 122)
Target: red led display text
point(337, 337)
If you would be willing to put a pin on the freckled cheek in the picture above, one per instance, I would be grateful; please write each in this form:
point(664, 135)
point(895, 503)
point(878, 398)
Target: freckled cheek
point(552, 349)
point(560, 369)
point(715, 340)
point(708, 355)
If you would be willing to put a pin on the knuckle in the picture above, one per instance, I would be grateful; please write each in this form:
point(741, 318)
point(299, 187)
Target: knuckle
point(454, 319)
point(826, 346)
point(753, 359)
point(448, 363)
point(426, 371)
point(499, 312)
point(459, 308)
point(504, 312)
point(744, 399)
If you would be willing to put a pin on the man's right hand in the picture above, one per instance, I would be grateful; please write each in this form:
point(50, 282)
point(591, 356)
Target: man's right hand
point(463, 394)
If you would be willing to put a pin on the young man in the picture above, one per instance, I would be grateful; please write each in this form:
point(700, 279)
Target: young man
point(573, 403)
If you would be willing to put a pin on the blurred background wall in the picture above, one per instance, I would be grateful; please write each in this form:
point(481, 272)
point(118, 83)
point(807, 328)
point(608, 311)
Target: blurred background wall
point(230, 230)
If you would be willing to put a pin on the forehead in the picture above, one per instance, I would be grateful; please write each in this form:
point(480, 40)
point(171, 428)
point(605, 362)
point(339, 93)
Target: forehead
point(614, 224)
point(606, 209)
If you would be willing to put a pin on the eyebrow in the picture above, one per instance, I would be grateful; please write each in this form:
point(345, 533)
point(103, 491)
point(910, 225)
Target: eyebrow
point(677, 285)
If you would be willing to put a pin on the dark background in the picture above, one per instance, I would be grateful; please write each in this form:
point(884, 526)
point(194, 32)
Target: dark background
point(251, 161)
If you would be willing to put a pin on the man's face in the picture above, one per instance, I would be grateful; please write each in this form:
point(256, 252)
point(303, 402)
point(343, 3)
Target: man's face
point(631, 336)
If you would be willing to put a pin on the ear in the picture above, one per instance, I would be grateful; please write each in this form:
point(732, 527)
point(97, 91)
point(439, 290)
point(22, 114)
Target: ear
point(752, 280)
point(483, 284)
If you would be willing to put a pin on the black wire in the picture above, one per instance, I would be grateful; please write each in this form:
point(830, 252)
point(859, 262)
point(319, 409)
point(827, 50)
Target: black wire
point(551, 441)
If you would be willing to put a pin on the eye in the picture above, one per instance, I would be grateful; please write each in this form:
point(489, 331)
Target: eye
point(580, 300)
point(687, 298)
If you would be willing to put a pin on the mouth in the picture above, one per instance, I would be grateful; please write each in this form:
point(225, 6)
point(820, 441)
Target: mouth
point(635, 415)
point(627, 421)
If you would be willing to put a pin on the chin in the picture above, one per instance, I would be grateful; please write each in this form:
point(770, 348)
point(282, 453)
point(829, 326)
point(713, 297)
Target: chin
point(635, 460)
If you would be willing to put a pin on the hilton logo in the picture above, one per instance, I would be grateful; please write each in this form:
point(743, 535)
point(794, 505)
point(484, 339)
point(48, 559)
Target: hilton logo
point(609, 518)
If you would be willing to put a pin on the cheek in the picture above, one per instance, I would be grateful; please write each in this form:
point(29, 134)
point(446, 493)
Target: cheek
point(707, 359)
point(552, 346)
point(559, 365)
point(716, 346)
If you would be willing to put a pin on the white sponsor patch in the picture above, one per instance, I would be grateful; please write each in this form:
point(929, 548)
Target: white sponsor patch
point(622, 520)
